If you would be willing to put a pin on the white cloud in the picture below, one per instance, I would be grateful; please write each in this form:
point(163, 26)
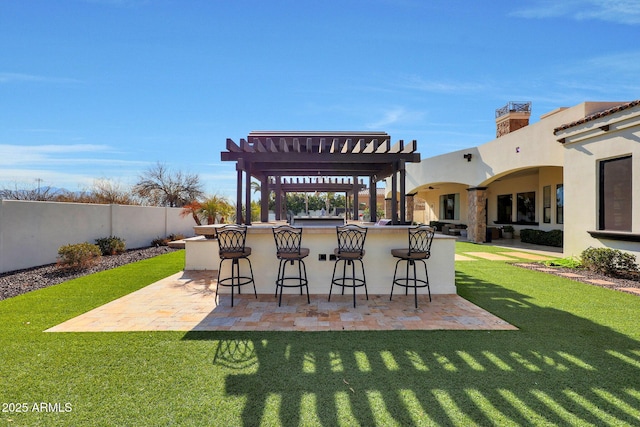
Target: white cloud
point(32, 78)
point(620, 11)
point(26, 178)
point(21, 154)
point(418, 83)
point(396, 115)
point(126, 4)
point(612, 76)
point(622, 62)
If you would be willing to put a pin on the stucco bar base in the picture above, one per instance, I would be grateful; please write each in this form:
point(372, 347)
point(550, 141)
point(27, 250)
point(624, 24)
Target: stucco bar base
point(202, 254)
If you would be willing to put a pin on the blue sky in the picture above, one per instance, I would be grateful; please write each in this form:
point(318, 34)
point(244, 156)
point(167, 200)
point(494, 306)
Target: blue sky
point(104, 89)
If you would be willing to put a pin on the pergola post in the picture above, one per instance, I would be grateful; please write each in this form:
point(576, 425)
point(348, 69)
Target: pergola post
point(403, 204)
point(356, 204)
point(394, 194)
point(285, 209)
point(239, 167)
point(373, 200)
point(264, 199)
point(247, 198)
point(278, 206)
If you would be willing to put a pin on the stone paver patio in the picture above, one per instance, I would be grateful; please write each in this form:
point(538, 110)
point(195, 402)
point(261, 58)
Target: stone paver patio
point(186, 301)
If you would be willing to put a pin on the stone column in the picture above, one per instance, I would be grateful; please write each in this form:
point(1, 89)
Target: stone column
point(410, 206)
point(387, 208)
point(477, 214)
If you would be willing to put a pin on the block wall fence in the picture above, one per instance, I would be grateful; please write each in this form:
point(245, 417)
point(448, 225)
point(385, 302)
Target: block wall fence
point(31, 232)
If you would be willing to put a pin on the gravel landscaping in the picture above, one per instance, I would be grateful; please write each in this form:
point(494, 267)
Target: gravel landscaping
point(626, 283)
point(22, 281)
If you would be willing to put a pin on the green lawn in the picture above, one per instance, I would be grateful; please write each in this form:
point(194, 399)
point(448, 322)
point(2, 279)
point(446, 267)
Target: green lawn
point(574, 361)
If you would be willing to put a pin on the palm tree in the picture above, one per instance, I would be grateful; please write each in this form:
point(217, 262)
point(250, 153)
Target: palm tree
point(255, 186)
point(216, 205)
point(192, 209)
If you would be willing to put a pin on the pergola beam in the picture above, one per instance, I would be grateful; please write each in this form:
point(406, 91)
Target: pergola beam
point(321, 188)
point(326, 154)
point(372, 158)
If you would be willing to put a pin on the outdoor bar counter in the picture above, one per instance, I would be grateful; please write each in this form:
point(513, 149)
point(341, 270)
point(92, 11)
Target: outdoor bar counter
point(202, 254)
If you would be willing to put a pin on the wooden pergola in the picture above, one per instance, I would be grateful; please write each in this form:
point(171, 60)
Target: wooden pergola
point(283, 161)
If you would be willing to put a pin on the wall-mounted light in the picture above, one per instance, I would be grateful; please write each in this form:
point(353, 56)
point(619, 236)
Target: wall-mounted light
point(468, 156)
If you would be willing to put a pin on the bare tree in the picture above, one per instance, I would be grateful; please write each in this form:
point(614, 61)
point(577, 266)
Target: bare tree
point(41, 193)
point(158, 186)
point(110, 192)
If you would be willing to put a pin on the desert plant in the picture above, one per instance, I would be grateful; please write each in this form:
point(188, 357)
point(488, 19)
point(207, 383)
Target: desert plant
point(608, 261)
point(78, 256)
point(111, 245)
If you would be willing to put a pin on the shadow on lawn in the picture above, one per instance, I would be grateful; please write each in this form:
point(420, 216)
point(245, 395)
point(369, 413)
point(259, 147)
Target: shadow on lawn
point(558, 369)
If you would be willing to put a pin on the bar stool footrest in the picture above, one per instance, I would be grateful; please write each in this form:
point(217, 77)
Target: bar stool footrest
point(410, 282)
point(358, 282)
point(235, 281)
point(299, 282)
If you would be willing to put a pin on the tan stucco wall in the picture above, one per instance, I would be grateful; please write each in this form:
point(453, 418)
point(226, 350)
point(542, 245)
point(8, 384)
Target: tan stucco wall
point(525, 160)
point(532, 146)
point(586, 145)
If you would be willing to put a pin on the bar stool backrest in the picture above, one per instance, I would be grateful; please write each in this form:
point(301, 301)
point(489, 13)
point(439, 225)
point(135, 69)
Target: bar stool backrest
point(288, 239)
point(420, 238)
point(231, 238)
point(351, 238)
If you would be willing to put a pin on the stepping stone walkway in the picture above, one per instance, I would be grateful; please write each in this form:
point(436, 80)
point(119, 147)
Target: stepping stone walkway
point(490, 256)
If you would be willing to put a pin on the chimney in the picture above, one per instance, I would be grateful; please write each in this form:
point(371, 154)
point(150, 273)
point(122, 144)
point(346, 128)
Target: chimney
point(511, 117)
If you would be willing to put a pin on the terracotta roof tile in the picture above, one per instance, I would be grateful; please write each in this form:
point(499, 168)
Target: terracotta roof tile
point(597, 115)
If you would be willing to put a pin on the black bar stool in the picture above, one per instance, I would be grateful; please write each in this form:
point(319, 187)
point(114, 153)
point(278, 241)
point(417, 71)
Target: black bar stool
point(419, 249)
point(350, 249)
point(231, 243)
point(288, 240)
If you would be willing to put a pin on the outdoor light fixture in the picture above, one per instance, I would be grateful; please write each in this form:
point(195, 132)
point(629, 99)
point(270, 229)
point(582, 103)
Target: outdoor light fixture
point(468, 156)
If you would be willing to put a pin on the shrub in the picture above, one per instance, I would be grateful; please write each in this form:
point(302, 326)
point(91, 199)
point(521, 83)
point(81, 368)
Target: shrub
point(111, 245)
point(437, 224)
point(608, 261)
point(78, 256)
point(539, 237)
point(164, 241)
point(160, 241)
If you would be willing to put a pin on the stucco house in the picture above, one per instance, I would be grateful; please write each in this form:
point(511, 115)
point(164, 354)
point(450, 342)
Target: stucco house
point(577, 169)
